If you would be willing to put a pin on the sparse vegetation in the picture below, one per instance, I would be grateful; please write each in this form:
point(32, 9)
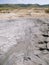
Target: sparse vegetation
point(7, 8)
point(47, 10)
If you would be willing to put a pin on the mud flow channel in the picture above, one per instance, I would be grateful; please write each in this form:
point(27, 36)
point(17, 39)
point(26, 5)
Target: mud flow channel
point(24, 41)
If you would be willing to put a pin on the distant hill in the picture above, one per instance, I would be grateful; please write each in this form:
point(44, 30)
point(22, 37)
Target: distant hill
point(45, 5)
point(22, 5)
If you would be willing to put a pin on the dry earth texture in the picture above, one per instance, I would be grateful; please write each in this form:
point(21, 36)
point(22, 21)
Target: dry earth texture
point(24, 38)
point(25, 13)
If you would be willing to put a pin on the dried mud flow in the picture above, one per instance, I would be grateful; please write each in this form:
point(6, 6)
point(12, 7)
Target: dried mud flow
point(24, 41)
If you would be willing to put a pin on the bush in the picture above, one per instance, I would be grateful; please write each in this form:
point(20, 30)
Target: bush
point(47, 10)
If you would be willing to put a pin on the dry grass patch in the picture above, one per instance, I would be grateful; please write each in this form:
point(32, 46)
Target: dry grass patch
point(47, 10)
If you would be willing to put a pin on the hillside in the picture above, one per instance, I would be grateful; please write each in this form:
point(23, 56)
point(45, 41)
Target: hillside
point(22, 5)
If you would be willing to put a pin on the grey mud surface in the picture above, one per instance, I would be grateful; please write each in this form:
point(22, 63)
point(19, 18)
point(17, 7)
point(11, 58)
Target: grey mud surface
point(24, 41)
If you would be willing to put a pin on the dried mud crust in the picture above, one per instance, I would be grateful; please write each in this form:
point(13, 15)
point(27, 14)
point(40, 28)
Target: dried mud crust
point(27, 41)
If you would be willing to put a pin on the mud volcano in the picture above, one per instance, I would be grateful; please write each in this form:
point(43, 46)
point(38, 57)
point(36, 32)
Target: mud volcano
point(24, 41)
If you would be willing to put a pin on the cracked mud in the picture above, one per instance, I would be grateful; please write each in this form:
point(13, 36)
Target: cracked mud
point(24, 41)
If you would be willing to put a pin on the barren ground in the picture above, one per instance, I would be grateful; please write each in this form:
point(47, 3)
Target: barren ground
point(24, 38)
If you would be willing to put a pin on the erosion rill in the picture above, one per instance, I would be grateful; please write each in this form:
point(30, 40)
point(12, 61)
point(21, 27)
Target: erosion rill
point(24, 41)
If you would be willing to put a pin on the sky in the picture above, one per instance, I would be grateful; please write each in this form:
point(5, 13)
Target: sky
point(41, 2)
